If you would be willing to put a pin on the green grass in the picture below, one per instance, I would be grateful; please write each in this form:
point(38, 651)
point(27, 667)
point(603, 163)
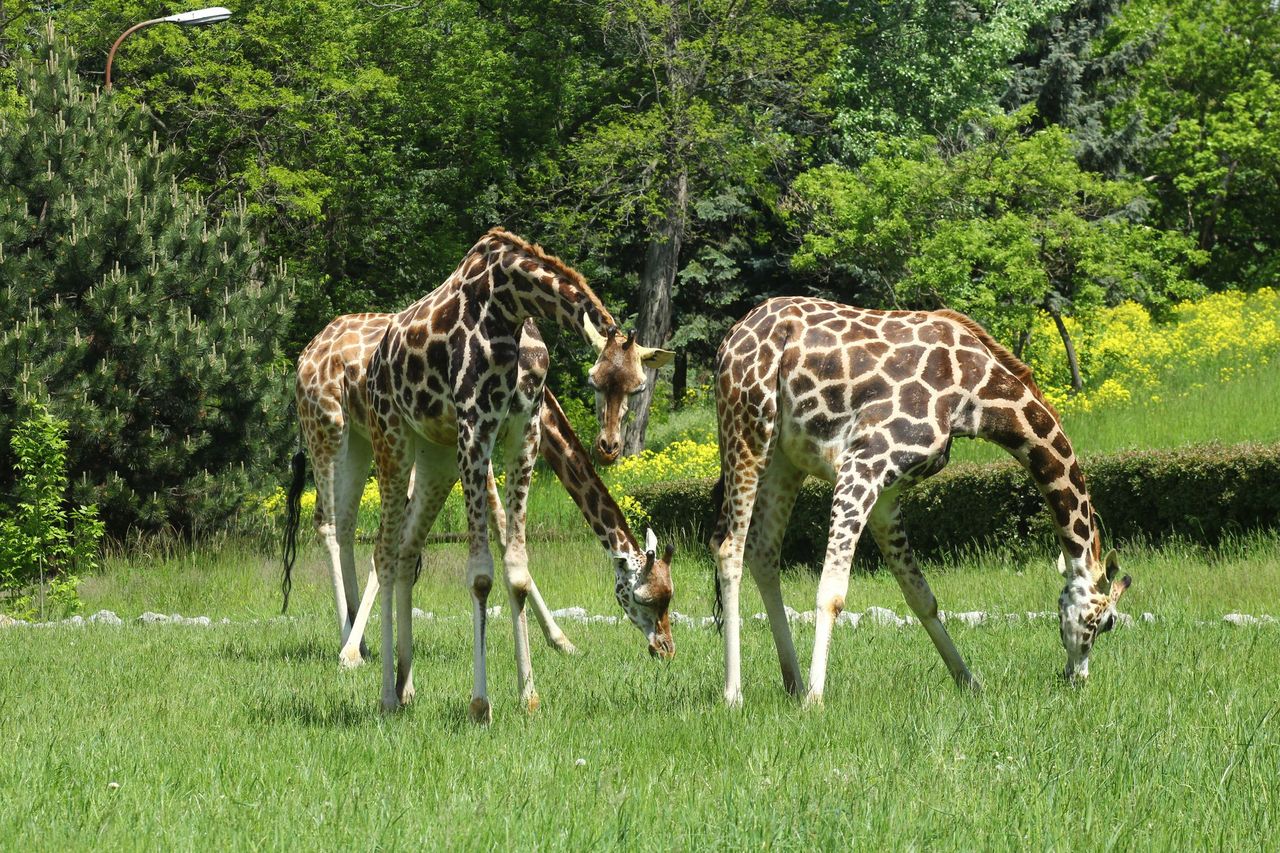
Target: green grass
point(1195, 408)
point(247, 735)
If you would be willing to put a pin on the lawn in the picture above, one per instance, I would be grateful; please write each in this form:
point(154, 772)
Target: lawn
point(246, 735)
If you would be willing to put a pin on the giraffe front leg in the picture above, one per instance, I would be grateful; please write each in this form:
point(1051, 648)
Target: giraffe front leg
point(891, 537)
point(393, 480)
point(522, 451)
point(475, 449)
point(776, 497)
point(855, 491)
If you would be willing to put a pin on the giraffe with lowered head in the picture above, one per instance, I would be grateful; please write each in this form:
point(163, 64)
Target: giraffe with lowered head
point(870, 401)
point(332, 406)
point(441, 385)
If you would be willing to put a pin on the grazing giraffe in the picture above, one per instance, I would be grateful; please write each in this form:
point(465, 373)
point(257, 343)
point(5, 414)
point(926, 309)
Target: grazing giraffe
point(642, 580)
point(332, 407)
point(441, 384)
point(870, 401)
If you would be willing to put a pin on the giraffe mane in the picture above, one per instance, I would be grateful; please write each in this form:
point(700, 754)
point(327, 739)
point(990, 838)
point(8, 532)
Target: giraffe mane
point(541, 254)
point(1008, 360)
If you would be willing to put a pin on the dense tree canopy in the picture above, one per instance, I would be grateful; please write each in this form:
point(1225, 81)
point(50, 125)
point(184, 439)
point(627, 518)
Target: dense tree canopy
point(693, 157)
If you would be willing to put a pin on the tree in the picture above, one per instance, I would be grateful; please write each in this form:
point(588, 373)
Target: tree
point(1080, 80)
point(914, 67)
point(151, 327)
point(1214, 81)
point(702, 124)
point(1004, 227)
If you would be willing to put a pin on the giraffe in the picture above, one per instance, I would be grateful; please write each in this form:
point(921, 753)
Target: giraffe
point(441, 383)
point(642, 581)
point(332, 406)
point(870, 401)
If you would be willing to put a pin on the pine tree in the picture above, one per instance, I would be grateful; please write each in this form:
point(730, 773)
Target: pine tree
point(151, 327)
point(1076, 79)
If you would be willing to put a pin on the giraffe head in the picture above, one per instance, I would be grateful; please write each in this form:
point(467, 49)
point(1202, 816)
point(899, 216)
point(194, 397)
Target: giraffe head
point(1087, 605)
point(618, 373)
point(643, 588)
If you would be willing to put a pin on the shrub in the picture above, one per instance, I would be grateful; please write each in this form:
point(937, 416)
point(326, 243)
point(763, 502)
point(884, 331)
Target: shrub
point(1198, 493)
point(42, 546)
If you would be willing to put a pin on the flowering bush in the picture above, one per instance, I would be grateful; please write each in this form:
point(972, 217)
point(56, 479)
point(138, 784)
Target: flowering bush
point(1127, 356)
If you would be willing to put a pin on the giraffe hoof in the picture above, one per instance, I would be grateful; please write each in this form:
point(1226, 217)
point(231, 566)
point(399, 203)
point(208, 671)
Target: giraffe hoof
point(480, 712)
point(813, 700)
point(532, 703)
point(733, 698)
point(349, 658)
point(406, 694)
point(390, 705)
point(966, 681)
point(564, 647)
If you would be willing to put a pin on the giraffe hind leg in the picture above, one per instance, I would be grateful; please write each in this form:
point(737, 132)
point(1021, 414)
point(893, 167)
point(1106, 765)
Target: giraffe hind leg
point(891, 537)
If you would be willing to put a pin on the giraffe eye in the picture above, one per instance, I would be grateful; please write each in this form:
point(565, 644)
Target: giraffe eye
point(1107, 624)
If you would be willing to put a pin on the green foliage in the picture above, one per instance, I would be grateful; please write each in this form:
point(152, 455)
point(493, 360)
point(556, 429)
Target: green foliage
point(1213, 84)
point(915, 68)
point(1084, 83)
point(43, 548)
point(1198, 493)
point(1007, 225)
point(151, 327)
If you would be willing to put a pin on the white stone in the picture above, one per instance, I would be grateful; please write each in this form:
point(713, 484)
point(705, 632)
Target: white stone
point(574, 614)
point(1148, 617)
point(850, 619)
point(972, 618)
point(676, 618)
point(883, 616)
point(150, 618)
point(106, 617)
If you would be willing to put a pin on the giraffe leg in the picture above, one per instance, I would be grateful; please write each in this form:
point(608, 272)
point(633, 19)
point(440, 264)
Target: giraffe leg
point(327, 461)
point(435, 478)
point(394, 460)
point(522, 439)
point(353, 655)
point(856, 488)
point(741, 466)
point(352, 472)
point(475, 449)
point(776, 496)
point(886, 527)
point(550, 629)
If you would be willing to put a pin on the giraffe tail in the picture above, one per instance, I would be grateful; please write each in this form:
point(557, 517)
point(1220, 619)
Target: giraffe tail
point(717, 506)
point(293, 518)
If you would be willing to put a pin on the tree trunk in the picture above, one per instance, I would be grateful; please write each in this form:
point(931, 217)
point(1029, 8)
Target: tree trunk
point(661, 263)
point(1024, 338)
point(1077, 384)
point(679, 379)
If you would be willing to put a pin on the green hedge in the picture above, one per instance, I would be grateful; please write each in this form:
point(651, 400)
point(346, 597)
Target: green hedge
point(1198, 493)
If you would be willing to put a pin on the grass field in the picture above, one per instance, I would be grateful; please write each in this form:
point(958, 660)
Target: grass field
point(247, 735)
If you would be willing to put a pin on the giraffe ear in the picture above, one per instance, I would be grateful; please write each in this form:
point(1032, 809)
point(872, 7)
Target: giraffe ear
point(1062, 564)
point(1112, 562)
point(653, 358)
point(650, 542)
point(597, 339)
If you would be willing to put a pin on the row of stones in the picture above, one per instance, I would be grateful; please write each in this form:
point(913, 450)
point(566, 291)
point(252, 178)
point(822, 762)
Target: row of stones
point(879, 616)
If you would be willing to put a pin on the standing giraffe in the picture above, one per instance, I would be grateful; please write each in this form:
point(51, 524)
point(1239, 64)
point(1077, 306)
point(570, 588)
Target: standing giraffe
point(870, 401)
point(332, 406)
point(441, 385)
point(642, 581)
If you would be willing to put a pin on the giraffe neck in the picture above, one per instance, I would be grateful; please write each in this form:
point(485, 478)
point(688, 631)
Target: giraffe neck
point(1052, 464)
point(535, 284)
point(567, 457)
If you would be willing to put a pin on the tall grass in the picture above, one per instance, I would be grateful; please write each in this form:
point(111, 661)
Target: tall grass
point(247, 736)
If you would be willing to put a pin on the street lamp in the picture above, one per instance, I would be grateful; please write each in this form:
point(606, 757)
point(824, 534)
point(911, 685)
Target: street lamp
point(195, 18)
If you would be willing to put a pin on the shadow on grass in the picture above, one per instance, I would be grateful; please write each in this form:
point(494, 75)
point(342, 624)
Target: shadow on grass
point(315, 712)
point(290, 649)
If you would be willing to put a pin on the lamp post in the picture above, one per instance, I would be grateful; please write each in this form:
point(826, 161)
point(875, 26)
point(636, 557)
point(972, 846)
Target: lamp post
point(195, 18)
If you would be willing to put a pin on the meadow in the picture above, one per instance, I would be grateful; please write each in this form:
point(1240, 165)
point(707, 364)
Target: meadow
point(246, 735)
